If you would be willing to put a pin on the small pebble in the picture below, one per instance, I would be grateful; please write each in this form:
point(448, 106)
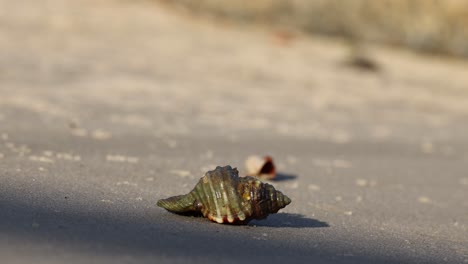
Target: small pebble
point(291, 160)
point(122, 158)
point(181, 173)
point(41, 159)
point(125, 183)
point(359, 199)
point(293, 185)
point(342, 164)
point(427, 147)
point(313, 187)
point(424, 199)
point(361, 182)
point(100, 134)
point(364, 183)
point(48, 153)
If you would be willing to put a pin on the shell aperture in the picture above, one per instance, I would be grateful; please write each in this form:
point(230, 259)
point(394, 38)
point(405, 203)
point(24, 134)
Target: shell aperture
point(224, 197)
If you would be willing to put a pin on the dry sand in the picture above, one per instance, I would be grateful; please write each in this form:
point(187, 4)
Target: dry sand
point(107, 106)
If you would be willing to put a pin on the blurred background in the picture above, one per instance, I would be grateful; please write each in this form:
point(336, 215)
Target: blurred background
point(430, 26)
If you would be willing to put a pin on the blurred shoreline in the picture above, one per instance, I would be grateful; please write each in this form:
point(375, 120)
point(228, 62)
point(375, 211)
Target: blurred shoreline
point(434, 27)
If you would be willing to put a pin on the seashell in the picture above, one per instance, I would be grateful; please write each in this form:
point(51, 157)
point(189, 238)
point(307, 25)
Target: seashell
point(261, 167)
point(224, 197)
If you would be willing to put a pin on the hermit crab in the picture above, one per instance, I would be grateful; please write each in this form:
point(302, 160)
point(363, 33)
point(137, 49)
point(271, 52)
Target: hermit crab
point(224, 197)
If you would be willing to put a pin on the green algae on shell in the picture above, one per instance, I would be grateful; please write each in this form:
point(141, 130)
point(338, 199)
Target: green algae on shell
point(224, 197)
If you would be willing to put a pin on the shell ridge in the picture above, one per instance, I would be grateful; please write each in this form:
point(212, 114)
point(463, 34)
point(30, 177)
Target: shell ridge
point(215, 201)
point(229, 214)
point(233, 200)
point(203, 188)
point(198, 194)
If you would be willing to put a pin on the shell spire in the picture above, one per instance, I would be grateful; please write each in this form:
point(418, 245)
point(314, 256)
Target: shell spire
point(178, 204)
point(224, 197)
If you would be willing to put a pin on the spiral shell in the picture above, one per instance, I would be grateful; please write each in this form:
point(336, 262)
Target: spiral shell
point(224, 197)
